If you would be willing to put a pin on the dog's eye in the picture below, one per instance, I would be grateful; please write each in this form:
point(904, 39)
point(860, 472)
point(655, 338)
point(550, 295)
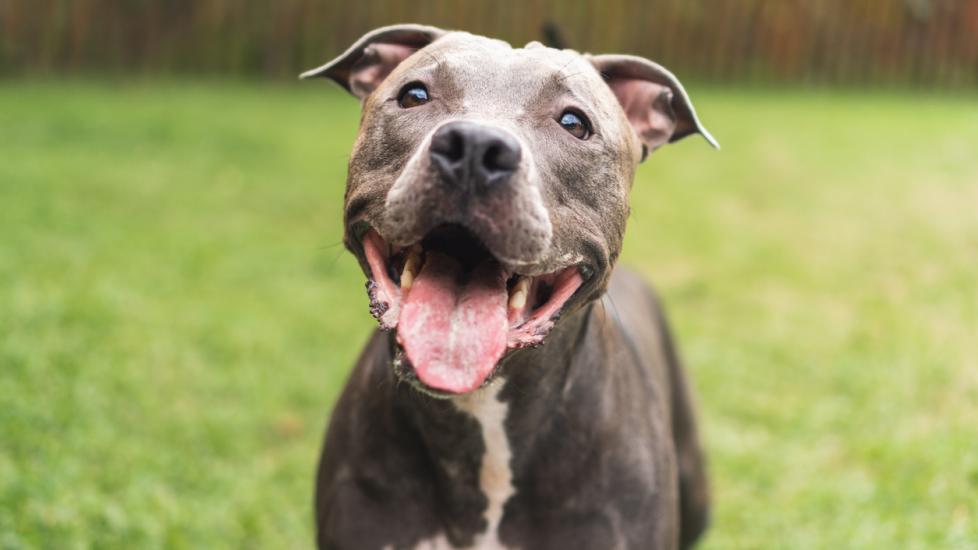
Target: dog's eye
point(576, 124)
point(412, 95)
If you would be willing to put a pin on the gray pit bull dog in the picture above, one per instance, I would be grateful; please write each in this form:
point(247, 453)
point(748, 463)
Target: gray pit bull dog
point(520, 394)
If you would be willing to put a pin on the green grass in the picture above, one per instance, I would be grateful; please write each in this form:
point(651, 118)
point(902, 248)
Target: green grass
point(177, 316)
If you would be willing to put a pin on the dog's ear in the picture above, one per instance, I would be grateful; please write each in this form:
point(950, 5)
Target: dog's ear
point(653, 99)
point(362, 67)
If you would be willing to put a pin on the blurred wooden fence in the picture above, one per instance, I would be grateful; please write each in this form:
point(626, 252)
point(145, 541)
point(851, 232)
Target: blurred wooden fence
point(930, 43)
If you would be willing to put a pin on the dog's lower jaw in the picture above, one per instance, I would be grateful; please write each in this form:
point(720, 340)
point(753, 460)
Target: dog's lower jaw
point(456, 309)
point(406, 374)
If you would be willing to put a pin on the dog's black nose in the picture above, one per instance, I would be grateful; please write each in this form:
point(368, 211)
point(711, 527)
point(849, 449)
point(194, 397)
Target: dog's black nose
point(474, 155)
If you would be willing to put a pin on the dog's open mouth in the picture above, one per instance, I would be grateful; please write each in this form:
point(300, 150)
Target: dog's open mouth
point(456, 308)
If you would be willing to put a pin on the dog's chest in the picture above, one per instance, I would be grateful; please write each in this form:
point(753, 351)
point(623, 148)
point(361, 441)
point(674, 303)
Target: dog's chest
point(495, 474)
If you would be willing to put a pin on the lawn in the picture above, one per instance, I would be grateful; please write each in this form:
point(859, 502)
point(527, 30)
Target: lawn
point(177, 314)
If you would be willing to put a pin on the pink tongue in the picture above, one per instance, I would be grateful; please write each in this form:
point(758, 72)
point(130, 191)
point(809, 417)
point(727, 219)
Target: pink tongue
point(454, 333)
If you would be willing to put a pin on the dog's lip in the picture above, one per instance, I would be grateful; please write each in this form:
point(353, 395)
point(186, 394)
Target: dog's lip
point(405, 372)
point(361, 229)
point(548, 295)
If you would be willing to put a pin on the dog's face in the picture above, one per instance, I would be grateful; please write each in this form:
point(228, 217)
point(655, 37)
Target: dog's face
point(488, 187)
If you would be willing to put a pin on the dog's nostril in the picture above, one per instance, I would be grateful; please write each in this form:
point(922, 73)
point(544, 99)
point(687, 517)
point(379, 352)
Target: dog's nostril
point(501, 157)
point(491, 159)
point(449, 145)
point(456, 147)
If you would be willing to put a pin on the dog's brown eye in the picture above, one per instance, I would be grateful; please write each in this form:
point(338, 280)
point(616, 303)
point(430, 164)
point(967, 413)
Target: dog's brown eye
point(412, 95)
point(576, 124)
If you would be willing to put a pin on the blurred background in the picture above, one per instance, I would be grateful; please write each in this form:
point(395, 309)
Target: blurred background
point(923, 43)
point(177, 313)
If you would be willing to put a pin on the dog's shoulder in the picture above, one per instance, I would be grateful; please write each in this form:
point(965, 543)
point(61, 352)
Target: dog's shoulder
point(634, 301)
point(636, 312)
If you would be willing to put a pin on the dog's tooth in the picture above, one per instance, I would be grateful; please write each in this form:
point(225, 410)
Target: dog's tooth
point(407, 279)
point(517, 300)
point(411, 265)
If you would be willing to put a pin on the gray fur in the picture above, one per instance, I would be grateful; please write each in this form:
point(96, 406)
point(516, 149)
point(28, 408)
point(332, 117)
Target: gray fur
point(605, 451)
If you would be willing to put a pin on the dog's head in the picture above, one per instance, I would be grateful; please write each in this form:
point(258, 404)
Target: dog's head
point(488, 186)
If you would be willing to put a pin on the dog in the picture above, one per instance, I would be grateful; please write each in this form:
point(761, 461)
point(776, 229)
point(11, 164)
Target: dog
point(520, 391)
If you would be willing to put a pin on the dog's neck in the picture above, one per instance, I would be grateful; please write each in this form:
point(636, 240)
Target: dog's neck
point(475, 443)
point(531, 383)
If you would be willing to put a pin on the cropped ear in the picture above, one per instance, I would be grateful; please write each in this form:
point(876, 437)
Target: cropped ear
point(653, 99)
point(362, 67)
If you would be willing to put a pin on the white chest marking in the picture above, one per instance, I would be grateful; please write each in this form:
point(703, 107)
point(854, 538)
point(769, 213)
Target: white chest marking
point(495, 476)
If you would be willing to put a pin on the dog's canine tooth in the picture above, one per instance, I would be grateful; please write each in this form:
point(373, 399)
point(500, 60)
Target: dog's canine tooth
point(407, 279)
point(411, 267)
point(517, 300)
